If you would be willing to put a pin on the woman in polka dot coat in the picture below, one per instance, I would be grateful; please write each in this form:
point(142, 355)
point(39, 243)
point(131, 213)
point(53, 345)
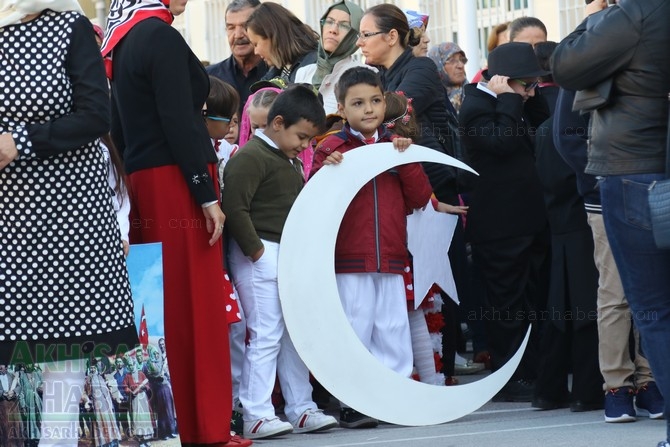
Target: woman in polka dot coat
point(64, 291)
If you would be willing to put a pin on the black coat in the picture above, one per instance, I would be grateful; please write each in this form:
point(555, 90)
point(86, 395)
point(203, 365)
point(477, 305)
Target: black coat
point(418, 78)
point(229, 71)
point(507, 198)
point(573, 284)
point(289, 75)
point(158, 93)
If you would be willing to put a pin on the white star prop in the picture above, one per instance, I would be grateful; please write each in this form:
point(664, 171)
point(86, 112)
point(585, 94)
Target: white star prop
point(429, 235)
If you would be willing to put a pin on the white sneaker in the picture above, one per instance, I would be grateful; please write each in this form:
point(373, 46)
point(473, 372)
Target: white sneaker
point(312, 420)
point(266, 428)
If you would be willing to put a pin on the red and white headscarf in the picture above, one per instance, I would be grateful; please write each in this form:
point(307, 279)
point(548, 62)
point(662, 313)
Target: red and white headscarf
point(123, 15)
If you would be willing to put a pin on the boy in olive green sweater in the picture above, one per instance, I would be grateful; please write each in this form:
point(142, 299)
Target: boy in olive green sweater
point(261, 182)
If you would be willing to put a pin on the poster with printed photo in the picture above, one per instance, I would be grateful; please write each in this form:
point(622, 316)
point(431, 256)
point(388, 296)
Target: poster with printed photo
point(127, 399)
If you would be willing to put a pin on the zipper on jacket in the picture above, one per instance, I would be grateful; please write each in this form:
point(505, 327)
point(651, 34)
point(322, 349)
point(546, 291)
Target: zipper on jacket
point(377, 248)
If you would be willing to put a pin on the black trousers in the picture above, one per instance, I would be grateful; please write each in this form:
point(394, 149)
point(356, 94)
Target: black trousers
point(451, 332)
point(515, 276)
point(572, 350)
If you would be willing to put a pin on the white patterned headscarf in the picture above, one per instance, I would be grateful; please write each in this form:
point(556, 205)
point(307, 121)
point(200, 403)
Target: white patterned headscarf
point(13, 11)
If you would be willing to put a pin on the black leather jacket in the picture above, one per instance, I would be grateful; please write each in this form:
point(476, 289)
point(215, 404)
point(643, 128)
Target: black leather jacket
point(630, 43)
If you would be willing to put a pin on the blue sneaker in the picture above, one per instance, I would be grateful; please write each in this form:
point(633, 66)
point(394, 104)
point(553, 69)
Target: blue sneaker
point(649, 402)
point(619, 405)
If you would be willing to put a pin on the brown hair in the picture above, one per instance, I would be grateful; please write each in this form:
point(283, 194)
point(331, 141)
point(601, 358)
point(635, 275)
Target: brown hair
point(522, 23)
point(290, 39)
point(264, 98)
point(399, 116)
point(493, 37)
point(223, 99)
point(117, 164)
point(388, 17)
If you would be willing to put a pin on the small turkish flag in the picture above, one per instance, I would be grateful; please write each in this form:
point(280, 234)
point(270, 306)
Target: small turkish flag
point(144, 332)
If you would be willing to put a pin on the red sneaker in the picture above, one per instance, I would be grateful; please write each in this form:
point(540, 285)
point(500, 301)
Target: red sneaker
point(236, 441)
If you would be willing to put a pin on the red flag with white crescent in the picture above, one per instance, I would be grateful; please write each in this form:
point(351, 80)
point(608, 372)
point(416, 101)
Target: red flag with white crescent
point(144, 332)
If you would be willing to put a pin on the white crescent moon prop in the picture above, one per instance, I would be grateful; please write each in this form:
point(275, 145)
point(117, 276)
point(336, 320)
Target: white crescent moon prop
point(316, 321)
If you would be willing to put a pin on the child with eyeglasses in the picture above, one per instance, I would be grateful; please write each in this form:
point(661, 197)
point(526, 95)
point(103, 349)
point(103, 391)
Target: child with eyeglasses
point(219, 112)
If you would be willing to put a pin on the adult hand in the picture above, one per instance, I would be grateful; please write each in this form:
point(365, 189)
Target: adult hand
point(498, 84)
point(8, 150)
point(595, 6)
point(215, 219)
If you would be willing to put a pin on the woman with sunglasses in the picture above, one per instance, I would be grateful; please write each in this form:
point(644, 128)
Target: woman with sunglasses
point(506, 219)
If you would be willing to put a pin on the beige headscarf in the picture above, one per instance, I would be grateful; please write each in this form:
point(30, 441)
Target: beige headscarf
point(12, 11)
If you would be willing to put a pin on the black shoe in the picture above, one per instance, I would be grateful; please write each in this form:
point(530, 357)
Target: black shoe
point(520, 390)
point(547, 404)
point(236, 423)
point(579, 406)
point(350, 418)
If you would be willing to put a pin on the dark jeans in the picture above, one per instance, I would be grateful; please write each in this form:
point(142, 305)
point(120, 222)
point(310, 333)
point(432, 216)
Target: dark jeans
point(644, 269)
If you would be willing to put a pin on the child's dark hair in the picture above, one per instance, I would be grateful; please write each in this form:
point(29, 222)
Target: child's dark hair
point(399, 117)
point(223, 100)
point(355, 76)
point(117, 163)
point(295, 103)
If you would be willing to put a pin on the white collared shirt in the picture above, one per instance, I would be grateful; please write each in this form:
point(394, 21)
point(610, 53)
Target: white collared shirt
point(483, 86)
point(361, 137)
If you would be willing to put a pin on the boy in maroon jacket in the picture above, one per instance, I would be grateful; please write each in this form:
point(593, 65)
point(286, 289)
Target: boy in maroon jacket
point(371, 248)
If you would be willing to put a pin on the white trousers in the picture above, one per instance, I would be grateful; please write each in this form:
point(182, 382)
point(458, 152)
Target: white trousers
point(376, 307)
point(270, 351)
point(237, 336)
point(63, 384)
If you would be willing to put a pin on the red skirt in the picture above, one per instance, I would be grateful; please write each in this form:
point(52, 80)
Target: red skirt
point(195, 300)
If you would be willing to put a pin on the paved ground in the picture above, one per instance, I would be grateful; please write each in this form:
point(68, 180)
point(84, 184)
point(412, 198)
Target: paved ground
point(495, 424)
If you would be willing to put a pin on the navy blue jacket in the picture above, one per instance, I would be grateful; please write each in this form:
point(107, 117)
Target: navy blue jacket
point(570, 134)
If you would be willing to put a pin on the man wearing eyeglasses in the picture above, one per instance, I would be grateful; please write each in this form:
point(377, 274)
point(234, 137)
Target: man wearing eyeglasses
point(507, 221)
point(243, 67)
